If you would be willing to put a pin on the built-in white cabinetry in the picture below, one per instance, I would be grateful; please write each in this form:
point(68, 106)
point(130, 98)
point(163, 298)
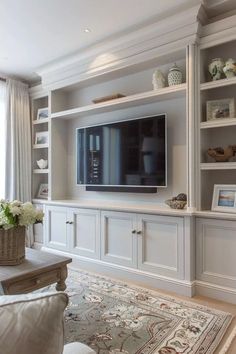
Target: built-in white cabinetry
point(161, 245)
point(84, 232)
point(118, 238)
point(215, 252)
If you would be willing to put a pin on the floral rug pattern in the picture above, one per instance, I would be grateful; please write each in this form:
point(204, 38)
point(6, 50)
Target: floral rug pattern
point(113, 317)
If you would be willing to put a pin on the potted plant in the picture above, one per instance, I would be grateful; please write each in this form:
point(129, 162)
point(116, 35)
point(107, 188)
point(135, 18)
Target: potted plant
point(15, 217)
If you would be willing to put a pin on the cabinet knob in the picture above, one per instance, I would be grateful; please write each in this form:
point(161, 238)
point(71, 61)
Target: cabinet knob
point(133, 231)
point(67, 222)
point(139, 232)
point(71, 222)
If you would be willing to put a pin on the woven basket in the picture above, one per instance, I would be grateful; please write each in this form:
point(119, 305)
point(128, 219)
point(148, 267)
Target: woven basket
point(12, 246)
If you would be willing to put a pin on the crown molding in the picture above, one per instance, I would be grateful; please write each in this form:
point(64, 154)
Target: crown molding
point(152, 41)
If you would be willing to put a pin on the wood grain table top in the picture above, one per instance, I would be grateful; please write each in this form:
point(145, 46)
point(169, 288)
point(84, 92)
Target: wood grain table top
point(35, 262)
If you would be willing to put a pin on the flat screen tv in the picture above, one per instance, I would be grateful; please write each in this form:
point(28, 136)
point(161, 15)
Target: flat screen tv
point(127, 153)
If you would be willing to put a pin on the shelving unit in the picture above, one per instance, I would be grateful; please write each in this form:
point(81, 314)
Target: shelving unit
point(218, 132)
point(40, 151)
point(163, 94)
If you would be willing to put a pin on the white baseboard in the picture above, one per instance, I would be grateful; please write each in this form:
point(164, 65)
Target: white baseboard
point(180, 287)
point(215, 291)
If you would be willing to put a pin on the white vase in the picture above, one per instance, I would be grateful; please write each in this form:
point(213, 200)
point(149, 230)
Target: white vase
point(216, 68)
point(230, 68)
point(42, 163)
point(158, 80)
point(175, 76)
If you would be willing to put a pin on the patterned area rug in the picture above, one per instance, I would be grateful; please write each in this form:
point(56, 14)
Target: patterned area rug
point(113, 317)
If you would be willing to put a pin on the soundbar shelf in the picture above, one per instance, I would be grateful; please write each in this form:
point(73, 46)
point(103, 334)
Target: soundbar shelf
point(163, 94)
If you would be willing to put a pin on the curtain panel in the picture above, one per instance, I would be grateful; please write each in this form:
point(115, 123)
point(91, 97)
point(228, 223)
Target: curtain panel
point(18, 144)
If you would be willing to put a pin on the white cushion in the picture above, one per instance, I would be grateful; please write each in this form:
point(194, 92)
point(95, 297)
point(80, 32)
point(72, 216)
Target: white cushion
point(77, 348)
point(32, 324)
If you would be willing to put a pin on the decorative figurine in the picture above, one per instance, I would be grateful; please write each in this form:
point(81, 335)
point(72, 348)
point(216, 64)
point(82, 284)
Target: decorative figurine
point(178, 202)
point(175, 76)
point(216, 68)
point(222, 155)
point(230, 68)
point(42, 163)
point(158, 80)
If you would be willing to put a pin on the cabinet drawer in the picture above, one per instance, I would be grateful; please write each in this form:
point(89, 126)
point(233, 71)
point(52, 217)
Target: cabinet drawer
point(32, 283)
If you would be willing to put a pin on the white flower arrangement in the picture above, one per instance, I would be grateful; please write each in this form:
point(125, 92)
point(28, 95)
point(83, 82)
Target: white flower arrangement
point(16, 213)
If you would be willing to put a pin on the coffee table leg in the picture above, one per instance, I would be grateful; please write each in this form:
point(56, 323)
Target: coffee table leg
point(61, 285)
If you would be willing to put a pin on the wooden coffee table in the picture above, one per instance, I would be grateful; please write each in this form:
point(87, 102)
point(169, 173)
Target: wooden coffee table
point(39, 269)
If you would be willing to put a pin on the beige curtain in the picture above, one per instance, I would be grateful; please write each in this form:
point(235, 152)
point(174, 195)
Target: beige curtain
point(18, 144)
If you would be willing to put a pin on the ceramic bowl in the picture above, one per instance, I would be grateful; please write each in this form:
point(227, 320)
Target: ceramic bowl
point(176, 204)
point(42, 163)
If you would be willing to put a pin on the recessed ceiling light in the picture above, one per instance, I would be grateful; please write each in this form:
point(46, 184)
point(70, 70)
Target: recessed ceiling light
point(87, 30)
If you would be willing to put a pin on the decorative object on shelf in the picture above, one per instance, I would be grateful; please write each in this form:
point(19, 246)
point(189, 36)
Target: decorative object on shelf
point(41, 138)
point(14, 218)
point(175, 76)
point(230, 68)
point(42, 113)
point(42, 163)
point(220, 109)
point(224, 198)
point(43, 191)
point(216, 68)
point(178, 202)
point(158, 80)
point(108, 98)
point(222, 155)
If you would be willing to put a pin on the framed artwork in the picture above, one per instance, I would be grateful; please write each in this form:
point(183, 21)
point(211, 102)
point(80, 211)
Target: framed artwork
point(43, 191)
point(220, 109)
point(41, 138)
point(224, 198)
point(42, 113)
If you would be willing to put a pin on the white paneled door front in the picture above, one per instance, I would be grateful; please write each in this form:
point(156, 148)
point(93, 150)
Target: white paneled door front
point(85, 232)
point(161, 245)
point(56, 226)
point(118, 238)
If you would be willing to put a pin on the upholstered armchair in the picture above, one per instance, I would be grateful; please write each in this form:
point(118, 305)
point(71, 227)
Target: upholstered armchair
point(33, 324)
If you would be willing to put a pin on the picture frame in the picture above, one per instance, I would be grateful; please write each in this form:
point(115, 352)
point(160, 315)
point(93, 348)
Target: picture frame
point(42, 113)
point(224, 198)
point(43, 191)
point(220, 109)
point(41, 138)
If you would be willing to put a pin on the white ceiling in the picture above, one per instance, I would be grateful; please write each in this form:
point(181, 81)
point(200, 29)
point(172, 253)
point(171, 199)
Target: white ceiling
point(36, 32)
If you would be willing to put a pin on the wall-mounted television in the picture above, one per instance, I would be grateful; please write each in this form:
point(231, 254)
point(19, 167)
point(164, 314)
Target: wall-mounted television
point(127, 153)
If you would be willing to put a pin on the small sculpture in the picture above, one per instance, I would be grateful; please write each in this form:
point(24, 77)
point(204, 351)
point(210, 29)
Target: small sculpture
point(222, 155)
point(178, 202)
point(158, 80)
point(42, 163)
point(216, 68)
point(230, 68)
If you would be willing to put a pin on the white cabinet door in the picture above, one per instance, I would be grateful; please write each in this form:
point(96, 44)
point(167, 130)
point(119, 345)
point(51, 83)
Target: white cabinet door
point(161, 245)
point(56, 228)
point(85, 232)
point(216, 251)
point(118, 240)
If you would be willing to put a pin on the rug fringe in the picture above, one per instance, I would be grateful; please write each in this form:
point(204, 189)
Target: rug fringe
point(228, 342)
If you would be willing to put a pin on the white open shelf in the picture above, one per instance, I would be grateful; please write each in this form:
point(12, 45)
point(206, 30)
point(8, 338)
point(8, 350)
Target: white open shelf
point(218, 123)
point(39, 171)
point(40, 121)
point(218, 83)
point(124, 102)
point(40, 146)
point(218, 166)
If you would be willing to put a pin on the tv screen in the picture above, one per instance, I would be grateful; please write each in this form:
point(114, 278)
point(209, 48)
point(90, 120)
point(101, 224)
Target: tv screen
point(125, 153)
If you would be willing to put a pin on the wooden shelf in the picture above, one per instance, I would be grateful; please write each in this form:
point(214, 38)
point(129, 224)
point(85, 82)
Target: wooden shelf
point(40, 146)
point(166, 93)
point(227, 122)
point(218, 166)
point(40, 171)
point(218, 83)
point(40, 121)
